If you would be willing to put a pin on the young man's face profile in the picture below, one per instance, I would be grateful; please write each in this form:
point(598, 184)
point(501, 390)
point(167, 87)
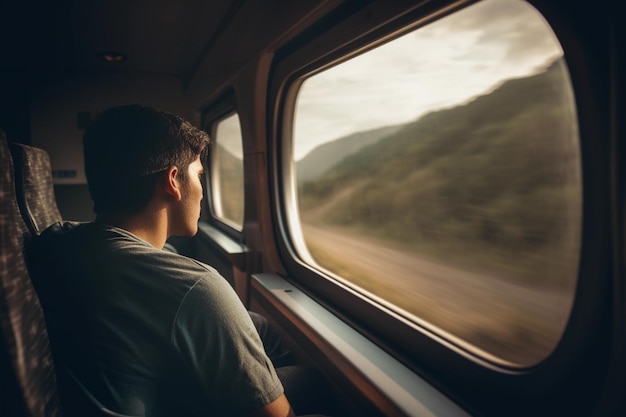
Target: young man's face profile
point(189, 213)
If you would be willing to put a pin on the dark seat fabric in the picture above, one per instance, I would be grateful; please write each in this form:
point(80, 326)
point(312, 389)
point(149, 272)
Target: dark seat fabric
point(34, 189)
point(64, 323)
point(35, 196)
point(27, 377)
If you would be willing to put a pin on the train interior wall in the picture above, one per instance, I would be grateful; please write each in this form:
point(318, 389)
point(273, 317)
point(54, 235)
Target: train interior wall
point(54, 118)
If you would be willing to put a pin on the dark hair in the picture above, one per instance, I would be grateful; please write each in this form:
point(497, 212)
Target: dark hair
point(127, 147)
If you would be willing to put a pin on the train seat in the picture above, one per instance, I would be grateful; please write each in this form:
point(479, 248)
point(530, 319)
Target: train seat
point(27, 374)
point(35, 192)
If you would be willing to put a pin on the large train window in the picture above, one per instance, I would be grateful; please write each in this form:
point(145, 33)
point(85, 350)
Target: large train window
point(227, 190)
point(439, 175)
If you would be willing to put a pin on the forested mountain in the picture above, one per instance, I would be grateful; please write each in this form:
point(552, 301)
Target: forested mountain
point(325, 156)
point(499, 173)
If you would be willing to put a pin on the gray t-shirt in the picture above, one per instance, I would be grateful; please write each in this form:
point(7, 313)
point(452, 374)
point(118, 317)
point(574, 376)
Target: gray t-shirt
point(150, 332)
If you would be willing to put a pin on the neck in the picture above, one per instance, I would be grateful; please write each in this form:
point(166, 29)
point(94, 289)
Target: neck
point(150, 226)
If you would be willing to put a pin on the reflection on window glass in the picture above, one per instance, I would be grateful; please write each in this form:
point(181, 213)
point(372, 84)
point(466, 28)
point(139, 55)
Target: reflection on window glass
point(227, 172)
point(439, 174)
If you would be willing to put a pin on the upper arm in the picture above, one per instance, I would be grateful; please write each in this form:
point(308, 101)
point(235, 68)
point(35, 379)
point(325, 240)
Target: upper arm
point(277, 408)
point(215, 337)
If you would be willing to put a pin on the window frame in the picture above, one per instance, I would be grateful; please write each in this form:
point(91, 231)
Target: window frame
point(347, 33)
point(212, 115)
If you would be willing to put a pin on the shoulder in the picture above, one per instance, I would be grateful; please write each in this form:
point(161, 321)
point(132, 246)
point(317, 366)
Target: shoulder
point(211, 306)
point(214, 296)
point(109, 257)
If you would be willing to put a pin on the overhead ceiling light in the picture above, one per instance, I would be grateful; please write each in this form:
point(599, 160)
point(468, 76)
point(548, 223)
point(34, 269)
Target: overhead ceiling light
point(112, 56)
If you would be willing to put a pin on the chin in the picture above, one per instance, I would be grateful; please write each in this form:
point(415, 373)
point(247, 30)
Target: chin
point(192, 230)
point(188, 231)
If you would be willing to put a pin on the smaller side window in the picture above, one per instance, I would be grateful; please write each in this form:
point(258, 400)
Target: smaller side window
point(227, 190)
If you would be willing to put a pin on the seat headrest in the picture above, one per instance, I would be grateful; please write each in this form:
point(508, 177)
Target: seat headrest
point(34, 187)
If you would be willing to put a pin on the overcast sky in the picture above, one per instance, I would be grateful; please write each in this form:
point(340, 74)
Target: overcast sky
point(448, 62)
point(440, 65)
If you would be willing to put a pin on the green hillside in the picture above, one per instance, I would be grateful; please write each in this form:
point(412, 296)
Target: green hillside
point(494, 182)
point(231, 183)
point(327, 155)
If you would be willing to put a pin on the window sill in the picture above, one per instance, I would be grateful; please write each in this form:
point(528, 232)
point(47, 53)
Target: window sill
point(377, 376)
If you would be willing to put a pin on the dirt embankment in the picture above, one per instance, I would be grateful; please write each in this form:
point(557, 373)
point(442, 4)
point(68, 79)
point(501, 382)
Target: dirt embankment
point(514, 322)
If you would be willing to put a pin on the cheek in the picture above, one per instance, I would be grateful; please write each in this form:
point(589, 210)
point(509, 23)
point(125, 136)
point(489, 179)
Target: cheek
point(199, 191)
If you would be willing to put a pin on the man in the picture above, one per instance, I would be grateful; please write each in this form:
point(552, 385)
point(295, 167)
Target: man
point(140, 330)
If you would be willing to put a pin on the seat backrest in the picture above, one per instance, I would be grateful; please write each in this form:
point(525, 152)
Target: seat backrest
point(34, 189)
point(37, 204)
point(27, 378)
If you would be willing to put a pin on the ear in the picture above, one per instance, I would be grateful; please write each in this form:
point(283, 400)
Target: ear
point(172, 184)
